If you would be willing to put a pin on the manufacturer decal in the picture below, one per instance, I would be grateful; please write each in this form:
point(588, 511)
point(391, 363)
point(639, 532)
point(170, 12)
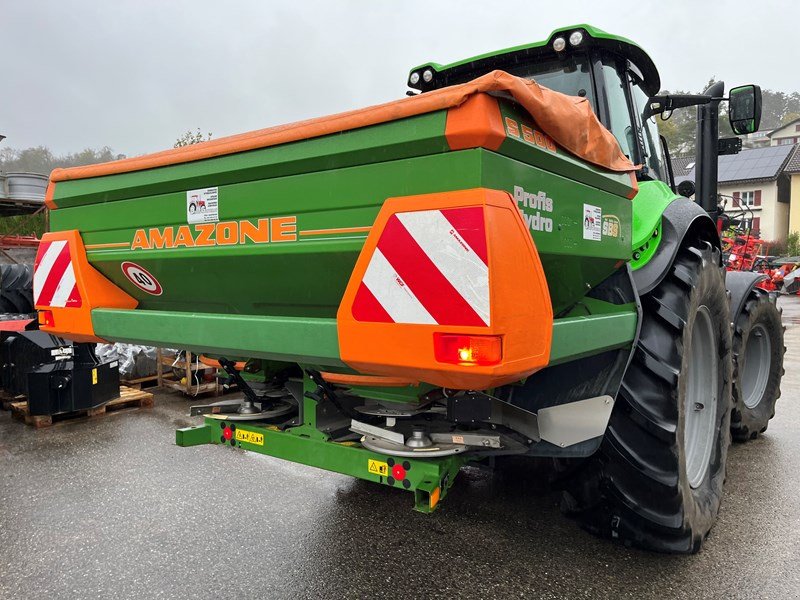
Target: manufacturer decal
point(202, 206)
point(592, 222)
point(611, 226)
point(225, 233)
point(538, 206)
point(377, 467)
point(62, 352)
point(537, 138)
point(512, 127)
point(141, 278)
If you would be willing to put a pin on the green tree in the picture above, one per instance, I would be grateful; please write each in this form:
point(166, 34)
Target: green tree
point(789, 117)
point(793, 244)
point(190, 137)
point(41, 160)
point(777, 108)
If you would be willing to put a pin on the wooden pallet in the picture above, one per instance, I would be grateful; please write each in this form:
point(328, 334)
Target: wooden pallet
point(140, 382)
point(128, 398)
point(188, 387)
point(7, 399)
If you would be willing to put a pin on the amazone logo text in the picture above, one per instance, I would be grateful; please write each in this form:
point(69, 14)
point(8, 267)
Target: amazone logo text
point(225, 233)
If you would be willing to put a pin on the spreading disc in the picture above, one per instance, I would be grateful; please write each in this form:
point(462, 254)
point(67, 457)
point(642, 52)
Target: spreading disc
point(377, 410)
point(393, 449)
point(278, 409)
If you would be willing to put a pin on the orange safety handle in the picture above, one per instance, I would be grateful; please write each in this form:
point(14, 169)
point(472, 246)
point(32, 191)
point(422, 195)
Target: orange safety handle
point(213, 362)
point(367, 380)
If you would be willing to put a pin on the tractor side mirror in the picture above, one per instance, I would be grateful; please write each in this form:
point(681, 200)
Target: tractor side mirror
point(686, 188)
point(744, 109)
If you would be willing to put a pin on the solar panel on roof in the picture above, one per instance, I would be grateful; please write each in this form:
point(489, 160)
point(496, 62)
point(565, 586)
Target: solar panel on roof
point(758, 163)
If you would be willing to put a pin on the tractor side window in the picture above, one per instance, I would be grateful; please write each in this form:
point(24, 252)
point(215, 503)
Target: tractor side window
point(654, 155)
point(620, 124)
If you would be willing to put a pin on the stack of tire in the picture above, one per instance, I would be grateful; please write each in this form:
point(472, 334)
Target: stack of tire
point(16, 290)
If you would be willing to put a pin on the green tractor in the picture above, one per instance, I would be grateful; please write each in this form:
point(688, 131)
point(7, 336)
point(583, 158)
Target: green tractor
point(454, 277)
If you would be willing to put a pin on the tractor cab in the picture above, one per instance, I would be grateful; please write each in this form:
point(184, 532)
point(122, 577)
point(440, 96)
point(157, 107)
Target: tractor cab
point(611, 72)
point(621, 81)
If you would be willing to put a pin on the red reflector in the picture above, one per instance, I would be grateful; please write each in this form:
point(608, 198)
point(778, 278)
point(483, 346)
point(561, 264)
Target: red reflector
point(227, 433)
point(398, 472)
point(468, 349)
point(46, 318)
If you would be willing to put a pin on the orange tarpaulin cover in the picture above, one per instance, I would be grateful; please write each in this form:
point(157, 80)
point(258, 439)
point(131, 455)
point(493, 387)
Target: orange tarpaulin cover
point(569, 120)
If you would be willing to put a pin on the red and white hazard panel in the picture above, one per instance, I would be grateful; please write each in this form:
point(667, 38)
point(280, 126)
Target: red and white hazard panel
point(54, 276)
point(429, 267)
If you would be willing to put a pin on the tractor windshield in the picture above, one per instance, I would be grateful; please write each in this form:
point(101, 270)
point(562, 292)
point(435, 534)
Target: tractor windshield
point(571, 76)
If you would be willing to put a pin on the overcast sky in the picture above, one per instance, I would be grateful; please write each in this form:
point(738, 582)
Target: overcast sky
point(135, 74)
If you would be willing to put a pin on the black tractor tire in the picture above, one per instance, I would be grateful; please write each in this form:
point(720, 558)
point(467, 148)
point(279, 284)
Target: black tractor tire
point(636, 489)
point(16, 288)
point(758, 365)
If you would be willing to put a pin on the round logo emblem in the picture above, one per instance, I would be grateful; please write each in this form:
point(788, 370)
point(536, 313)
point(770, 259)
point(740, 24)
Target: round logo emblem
point(141, 278)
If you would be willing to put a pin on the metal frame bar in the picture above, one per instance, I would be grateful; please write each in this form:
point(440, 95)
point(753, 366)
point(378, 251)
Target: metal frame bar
point(429, 479)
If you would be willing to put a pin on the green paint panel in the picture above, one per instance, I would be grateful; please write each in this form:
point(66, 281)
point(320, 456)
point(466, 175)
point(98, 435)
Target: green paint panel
point(283, 338)
point(278, 300)
point(302, 278)
point(648, 206)
point(414, 136)
point(572, 263)
point(605, 327)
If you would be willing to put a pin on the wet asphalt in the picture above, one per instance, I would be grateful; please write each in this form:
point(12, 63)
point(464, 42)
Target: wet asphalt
point(111, 508)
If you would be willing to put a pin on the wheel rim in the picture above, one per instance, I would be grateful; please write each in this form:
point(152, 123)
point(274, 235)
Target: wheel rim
point(700, 402)
point(754, 376)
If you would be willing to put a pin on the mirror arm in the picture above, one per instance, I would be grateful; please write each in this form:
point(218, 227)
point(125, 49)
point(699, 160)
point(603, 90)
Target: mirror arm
point(661, 104)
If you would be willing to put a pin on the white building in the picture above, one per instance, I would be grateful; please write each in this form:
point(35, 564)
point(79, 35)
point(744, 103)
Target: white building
point(787, 135)
point(755, 185)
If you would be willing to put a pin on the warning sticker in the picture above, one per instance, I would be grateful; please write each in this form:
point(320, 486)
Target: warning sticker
point(202, 206)
point(592, 222)
point(141, 278)
point(251, 437)
point(377, 467)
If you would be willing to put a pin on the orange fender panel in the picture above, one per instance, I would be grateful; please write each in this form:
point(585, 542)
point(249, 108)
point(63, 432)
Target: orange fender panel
point(449, 290)
point(67, 287)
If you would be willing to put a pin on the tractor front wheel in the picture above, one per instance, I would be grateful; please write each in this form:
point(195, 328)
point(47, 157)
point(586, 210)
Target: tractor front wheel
point(656, 481)
point(758, 360)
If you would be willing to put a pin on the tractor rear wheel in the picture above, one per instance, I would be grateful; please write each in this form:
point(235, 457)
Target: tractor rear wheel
point(656, 481)
point(758, 365)
point(16, 289)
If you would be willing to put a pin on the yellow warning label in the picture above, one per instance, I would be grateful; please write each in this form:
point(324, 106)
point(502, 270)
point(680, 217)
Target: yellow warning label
point(94, 376)
point(377, 467)
point(251, 437)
